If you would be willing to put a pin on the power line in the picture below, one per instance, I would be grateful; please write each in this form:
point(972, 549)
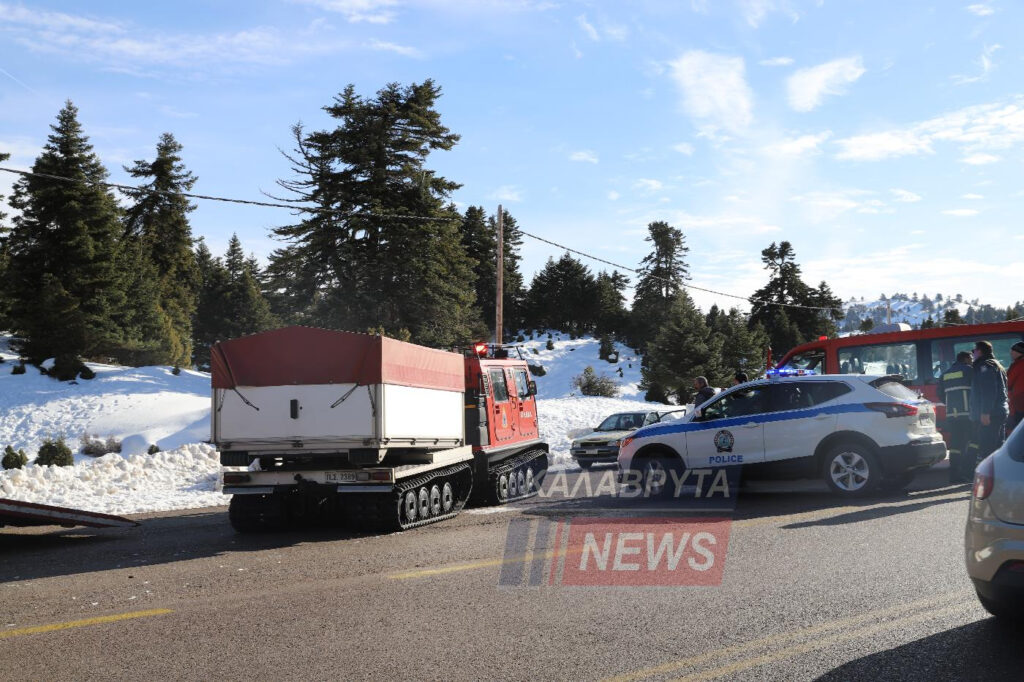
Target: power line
point(350, 214)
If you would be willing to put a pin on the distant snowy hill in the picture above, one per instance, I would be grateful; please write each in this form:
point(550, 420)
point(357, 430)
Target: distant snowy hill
point(912, 309)
point(150, 405)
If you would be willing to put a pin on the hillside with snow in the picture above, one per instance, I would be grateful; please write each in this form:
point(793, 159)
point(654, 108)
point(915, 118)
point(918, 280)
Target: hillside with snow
point(144, 406)
point(912, 309)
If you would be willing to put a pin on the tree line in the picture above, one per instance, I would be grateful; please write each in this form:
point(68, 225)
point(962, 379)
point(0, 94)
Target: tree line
point(376, 245)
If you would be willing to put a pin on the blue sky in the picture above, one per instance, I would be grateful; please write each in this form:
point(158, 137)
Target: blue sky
point(883, 139)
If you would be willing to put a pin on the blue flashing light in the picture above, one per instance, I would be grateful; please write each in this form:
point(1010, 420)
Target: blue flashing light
point(787, 372)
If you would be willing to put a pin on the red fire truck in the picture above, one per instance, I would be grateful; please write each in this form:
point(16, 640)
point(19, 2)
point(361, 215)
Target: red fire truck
point(920, 355)
point(339, 427)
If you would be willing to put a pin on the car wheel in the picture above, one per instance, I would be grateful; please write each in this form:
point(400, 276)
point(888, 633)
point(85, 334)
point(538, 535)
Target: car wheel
point(656, 475)
point(1002, 611)
point(852, 470)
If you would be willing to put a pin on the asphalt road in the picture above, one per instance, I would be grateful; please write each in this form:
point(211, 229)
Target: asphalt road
point(811, 587)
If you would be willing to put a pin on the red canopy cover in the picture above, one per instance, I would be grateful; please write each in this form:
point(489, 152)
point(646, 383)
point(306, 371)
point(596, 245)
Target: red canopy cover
point(305, 355)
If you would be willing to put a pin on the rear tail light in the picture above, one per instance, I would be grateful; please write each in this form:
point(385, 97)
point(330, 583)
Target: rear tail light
point(891, 410)
point(984, 478)
point(384, 475)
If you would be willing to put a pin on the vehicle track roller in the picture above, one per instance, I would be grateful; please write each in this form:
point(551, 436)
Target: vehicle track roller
point(423, 506)
point(531, 464)
point(513, 484)
point(409, 507)
point(435, 500)
point(447, 497)
point(502, 487)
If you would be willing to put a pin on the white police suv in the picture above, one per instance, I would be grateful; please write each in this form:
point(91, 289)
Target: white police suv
point(860, 433)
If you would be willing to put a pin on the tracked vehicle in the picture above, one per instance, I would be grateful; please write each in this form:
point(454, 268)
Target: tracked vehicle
point(320, 426)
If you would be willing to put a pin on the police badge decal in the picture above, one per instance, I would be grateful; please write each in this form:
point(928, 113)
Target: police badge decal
point(724, 441)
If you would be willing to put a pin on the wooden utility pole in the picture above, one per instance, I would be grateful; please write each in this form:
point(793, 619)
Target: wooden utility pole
point(498, 303)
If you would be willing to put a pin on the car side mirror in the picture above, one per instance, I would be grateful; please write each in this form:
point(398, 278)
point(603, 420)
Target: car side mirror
point(531, 388)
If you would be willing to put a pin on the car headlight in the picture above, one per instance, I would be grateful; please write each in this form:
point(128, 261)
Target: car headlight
point(575, 444)
point(625, 441)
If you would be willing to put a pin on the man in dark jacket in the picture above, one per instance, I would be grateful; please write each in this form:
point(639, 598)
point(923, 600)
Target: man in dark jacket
point(1015, 385)
point(704, 391)
point(955, 392)
point(988, 401)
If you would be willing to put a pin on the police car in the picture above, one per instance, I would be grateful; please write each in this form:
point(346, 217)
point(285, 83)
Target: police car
point(859, 433)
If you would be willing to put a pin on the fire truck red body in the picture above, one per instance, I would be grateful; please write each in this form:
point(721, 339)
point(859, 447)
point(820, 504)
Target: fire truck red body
point(368, 431)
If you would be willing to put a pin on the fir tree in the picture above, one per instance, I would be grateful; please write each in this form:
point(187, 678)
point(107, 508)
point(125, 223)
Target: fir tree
point(563, 295)
point(158, 222)
point(661, 276)
point(684, 349)
point(612, 315)
point(743, 346)
point(4, 302)
point(380, 248)
point(211, 307)
point(479, 239)
point(244, 308)
point(62, 280)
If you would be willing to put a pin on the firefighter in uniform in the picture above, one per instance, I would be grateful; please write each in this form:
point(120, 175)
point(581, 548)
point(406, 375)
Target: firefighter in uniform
point(989, 406)
point(955, 391)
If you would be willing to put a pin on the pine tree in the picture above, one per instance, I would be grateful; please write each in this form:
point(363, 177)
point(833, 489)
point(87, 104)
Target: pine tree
point(245, 309)
point(210, 305)
point(381, 248)
point(479, 239)
point(661, 276)
point(684, 349)
point(612, 315)
point(158, 221)
point(808, 312)
point(743, 346)
point(63, 283)
point(4, 302)
point(563, 295)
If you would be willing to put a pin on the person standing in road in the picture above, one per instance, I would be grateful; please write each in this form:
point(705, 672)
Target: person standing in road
point(988, 402)
point(1015, 385)
point(704, 391)
point(955, 392)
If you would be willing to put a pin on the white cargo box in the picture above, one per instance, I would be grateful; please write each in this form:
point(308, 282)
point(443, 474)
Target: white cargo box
point(318, 390)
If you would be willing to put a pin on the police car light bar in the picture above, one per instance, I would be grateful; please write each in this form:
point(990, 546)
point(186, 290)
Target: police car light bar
point(787, 372)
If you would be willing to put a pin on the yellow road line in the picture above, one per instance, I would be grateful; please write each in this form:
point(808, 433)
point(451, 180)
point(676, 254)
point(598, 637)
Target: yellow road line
point(99, 620)
point(771, 640)
point(742, 523)
point(796, 650)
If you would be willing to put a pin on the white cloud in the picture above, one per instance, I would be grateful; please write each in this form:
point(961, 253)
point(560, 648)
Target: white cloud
point(973, 197)
point(576, 51)
point(961, 212)
point(777, 61)
point(986, 64)
point(588, 28)
point(978, 130)
point(798, 146)
point(649, 185)
point(508, 193)
point(754, 11)
point(877, 146)
point(684, 148)
point(715, 90)
point(906, 196)
point(979, 159)
point(355, 11)
point(808, 87)
point(584, 156)
point(825, 206)
point(980, 9)
point(402, 50)
point(613, 195)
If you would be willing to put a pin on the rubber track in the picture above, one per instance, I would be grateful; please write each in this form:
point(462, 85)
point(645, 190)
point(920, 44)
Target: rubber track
point(489, 496)
point(381, 511)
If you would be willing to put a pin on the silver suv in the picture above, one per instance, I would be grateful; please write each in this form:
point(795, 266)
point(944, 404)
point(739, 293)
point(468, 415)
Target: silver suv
point(994, 540)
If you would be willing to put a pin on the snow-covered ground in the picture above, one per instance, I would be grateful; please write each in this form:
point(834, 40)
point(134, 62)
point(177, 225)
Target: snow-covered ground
point(151, 405)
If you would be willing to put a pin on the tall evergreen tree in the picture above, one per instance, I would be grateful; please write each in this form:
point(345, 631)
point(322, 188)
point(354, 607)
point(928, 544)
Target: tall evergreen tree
point(479, 238)
point(158, 223)
point(63, 285)
point(4, 302)
point(790, 310)
point(743, 345)
point(563, 295)
point(230, 303)
point(380, 247)
point(684, 349)
point(612, 315)
point(661, 276)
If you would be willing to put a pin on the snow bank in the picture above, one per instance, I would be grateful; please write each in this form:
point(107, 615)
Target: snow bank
point(183, 478)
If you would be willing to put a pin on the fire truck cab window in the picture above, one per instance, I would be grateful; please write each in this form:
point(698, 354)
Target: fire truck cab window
point(498, 385)
point(811, 359)
point(890, 358)
point(522, 384)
